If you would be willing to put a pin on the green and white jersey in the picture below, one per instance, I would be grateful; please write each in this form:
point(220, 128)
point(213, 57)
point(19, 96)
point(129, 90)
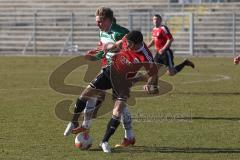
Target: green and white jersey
point(115, 33)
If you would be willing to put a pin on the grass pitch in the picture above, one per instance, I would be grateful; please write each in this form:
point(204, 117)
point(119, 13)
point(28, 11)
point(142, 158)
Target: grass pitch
point(198, 119)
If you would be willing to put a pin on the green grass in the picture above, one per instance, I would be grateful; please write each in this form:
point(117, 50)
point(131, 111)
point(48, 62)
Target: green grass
point(198, 119)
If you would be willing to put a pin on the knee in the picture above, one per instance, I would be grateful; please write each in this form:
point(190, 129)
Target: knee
point(117, 112)
point(86, 92)
point(118, 108)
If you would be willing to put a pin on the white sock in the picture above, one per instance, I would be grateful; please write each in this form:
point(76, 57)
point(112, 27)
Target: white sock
point(90, 106)
point(87, 123)
point(127, 123)
point(129, 134)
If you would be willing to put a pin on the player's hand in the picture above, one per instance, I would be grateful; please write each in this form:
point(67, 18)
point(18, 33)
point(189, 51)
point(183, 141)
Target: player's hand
point(147, 88)
point(110, 46)
point(91, 52)
point(90, 55)
point(161, 51)
point(236, 60)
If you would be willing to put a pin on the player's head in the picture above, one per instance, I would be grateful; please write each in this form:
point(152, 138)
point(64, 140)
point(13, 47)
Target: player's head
point(134, 40)
point(104, 18)
point(157, 20)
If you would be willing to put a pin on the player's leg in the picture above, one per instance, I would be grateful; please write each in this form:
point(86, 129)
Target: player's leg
point(98, 85)
point(81, 102)
point(87, 116)
point(126, 119)
point(98, 105)
point(186, 62)
point(174, 70)
point(95, 88)
point(171, 70)
point(121, 89)
point(90, 109)
point(129, 138)
point(113, 124)
point(79, 108)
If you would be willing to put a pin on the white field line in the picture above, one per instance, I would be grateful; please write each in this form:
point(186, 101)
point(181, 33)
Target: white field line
point(213, 78)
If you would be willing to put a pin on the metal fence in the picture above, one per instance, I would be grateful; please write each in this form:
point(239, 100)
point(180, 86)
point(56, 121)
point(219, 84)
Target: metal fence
point(71, 33)
point(195, 34)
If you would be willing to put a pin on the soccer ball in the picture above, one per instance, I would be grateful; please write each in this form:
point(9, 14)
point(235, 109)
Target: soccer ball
point(83, 141)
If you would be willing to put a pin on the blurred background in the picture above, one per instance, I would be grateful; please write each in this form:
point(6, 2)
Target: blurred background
point(67, 27)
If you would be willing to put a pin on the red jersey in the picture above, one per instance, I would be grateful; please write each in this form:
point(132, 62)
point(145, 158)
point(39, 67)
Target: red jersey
point(128, 62)
point(160, 36)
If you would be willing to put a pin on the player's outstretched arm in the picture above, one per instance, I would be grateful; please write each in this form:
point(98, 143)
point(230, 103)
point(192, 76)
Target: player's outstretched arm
point(94, 55)
point(151, 74)
point(150, 44)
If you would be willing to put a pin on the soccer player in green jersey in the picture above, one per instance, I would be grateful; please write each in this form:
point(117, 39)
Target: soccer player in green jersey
point(109, 34)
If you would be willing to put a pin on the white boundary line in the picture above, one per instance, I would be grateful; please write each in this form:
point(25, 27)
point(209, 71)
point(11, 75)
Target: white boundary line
point(215, 78)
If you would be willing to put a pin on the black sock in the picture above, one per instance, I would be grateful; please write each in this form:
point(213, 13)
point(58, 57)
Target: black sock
point(79, 107)
point(111, 127)
point(179, 67)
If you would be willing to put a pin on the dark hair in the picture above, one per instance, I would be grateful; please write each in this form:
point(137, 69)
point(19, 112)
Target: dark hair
point(114, 20)
point(104, 13)
point(135, 37)
point(158, 16)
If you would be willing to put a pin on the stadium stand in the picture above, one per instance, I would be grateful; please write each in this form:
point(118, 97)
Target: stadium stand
point(49, 25)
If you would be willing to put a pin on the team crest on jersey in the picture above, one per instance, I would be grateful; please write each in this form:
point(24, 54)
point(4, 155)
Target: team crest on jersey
point(136, 60)
point(124, 60)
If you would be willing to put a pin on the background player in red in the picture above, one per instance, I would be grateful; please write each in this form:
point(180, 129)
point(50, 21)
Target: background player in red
point(162, 40)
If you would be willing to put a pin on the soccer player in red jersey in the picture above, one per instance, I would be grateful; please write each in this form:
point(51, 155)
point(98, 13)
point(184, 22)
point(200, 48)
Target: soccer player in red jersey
point(133, 55)
point(162, 40)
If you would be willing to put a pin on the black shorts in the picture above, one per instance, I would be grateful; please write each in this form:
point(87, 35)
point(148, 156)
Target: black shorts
point(109, 78)
point(102, 80)
point(166, 58)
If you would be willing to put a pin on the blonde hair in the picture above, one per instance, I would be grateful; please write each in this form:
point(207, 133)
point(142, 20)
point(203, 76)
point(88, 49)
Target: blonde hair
point(104, 12)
